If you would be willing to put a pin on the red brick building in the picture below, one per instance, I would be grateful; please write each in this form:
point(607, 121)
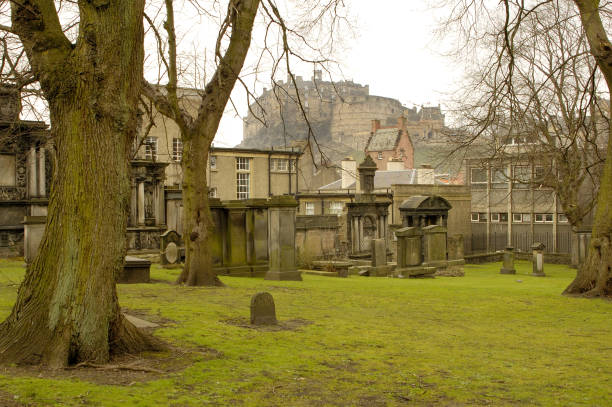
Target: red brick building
point(391, 144)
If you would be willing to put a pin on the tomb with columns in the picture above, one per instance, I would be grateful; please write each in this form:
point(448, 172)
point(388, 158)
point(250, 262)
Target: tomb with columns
point(25, 173)
point(147, 219)
point(366, 216)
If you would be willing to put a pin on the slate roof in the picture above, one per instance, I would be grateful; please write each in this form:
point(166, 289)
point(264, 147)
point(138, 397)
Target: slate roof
point(384, 140)
point(382, 179)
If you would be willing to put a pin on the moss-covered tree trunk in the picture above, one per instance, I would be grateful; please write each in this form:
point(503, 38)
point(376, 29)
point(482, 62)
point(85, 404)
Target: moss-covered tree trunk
point(67, 309)
point(594, 277)
point(199, 132)
point(197, 222)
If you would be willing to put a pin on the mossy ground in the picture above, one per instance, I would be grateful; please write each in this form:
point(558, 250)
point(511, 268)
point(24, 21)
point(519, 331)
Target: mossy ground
point(483, 339)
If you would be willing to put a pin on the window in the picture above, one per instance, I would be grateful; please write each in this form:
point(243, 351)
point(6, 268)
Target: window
point(242, 185)
point(380, 155)
point(474, 216)
point(310, 208)
point(177, 149)
point(482, 217)
point(543, 217)
point(495, 217)
point(540, 173)
point(335, 208)
point(562, 218)
point(279, 164)
point(503, 217)
point(517, 218)
point(292, 165)
point(243, 164)
point(212, 192)
point(478, 175)
point(213, 162)
point(522, 176)
point(150, 144)
point(499, 176)
point(526, 217)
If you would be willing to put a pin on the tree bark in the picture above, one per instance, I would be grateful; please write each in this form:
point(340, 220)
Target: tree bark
point(67, 309)
point(594, 276)
point(197, 221)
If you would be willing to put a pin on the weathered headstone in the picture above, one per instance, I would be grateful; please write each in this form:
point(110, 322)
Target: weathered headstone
point(455, 247)
point(170, 243)
point(379, 253)
point(508, 266)
point(538, 260)
point(263, 311)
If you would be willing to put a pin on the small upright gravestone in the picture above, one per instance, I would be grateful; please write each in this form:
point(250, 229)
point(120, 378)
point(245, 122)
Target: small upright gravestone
point(263, 311)
point(508, 266)
point(538, 260)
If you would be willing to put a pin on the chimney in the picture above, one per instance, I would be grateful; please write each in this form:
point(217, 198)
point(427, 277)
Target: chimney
point(395, 164)
point(401, 123)
point(375, 125)
point(349, 172)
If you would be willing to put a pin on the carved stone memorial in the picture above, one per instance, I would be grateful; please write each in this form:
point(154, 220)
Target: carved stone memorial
point(508, 266)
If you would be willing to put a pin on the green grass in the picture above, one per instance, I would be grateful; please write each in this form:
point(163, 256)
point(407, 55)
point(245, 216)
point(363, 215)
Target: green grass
point(482, 339)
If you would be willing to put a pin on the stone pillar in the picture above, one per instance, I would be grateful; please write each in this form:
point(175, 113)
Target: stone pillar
point(33, 229)
point(360, 234)
point(42, 192)
point(508, 266)
point(141, 202)
point(32, 187)
point(455, 247)
point(281, 232)
point(133, 204)
point(160, 204)
point(538, 260)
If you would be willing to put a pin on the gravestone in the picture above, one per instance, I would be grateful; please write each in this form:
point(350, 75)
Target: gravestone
point(263, 311)
point(538, 259)
point(508, 266)
point(410, 255)
point(379, 253)
point(170, 243)
point(455, 247)
point(434, 245)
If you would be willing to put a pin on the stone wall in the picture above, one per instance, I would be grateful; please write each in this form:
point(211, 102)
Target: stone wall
point(317, 236)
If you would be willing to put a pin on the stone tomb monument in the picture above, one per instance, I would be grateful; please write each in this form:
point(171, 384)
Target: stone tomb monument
point(366, 217)
point(508, 265)
point(538, 259)
point(410, 254)
point(281, 218)
point(263, 311)
point(135, 270)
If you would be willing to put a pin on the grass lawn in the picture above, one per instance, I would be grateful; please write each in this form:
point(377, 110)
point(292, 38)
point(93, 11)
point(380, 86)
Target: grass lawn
point(483, 339)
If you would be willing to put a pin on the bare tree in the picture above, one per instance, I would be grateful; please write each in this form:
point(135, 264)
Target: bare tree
point(545, 72)
point(87, 58)
point(198, 130)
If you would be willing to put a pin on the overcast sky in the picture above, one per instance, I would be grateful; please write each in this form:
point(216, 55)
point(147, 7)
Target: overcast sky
point(394, 52)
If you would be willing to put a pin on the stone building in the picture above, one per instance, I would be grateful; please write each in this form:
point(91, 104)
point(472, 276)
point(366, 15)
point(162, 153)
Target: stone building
point(390, 143)
point(25, 173)
point(340, 114)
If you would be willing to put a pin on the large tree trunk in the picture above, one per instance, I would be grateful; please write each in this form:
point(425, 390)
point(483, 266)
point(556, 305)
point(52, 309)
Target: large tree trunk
point(594, 277)
point(197, 222)
point(67, 309)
